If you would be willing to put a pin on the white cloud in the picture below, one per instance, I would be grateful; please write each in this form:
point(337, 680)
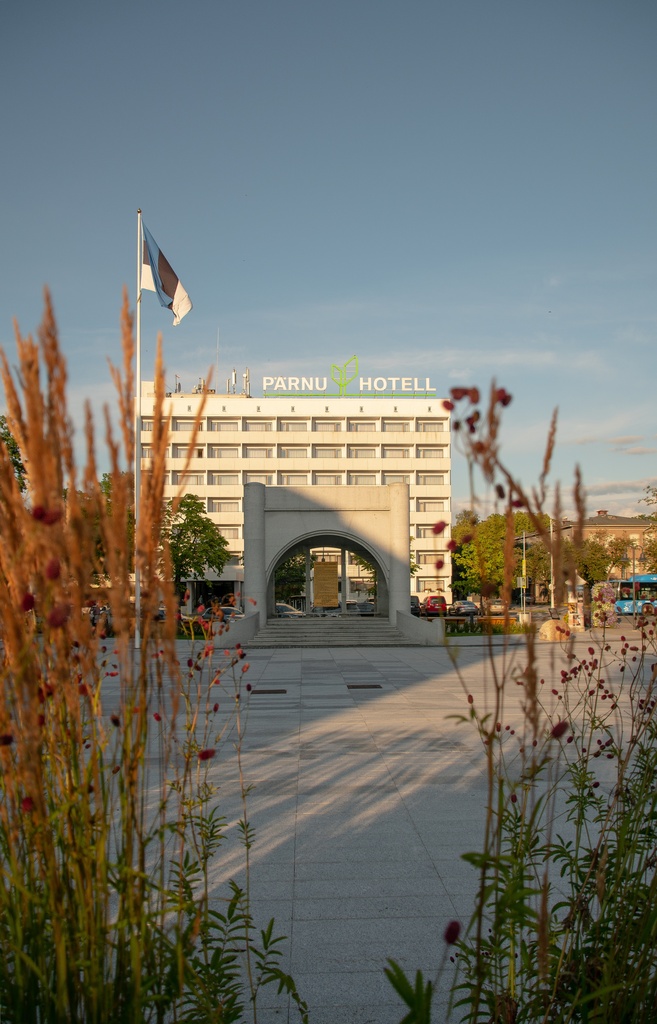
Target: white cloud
point(637, 450)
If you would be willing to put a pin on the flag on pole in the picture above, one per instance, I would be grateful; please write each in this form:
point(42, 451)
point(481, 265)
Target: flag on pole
point(157, 275)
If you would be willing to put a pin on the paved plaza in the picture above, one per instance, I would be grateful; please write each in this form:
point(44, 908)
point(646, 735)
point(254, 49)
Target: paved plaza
point(366, 793)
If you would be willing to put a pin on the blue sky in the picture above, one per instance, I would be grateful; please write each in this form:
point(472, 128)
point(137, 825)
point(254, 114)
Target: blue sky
point(464, 190)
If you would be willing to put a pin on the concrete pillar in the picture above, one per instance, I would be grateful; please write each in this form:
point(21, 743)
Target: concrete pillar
point(255, 575)
point(343, 580)
point(309, 565)
point(399, 546)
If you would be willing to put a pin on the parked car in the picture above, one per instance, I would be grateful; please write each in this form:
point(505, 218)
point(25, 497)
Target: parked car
point(324, 610)
point(360, 608)
point(433, 605)
point(464, 608)
point(496, 606)
point(415, 604)
point(286, 611)
point(213, 614)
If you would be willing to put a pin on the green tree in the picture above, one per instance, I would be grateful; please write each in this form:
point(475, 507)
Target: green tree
point(650, 552)
point(480, 562)
point(14, 453)
point(370, 569)
point(290, 577)
point(591, 559)
point(462, 532)
point(195, 542)
point(617, 551)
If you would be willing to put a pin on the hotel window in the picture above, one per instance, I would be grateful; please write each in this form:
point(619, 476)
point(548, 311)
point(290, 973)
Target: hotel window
point(215, 451)
point(361, 453)
point(327, 425)
point(223, 479)
point(432, 585)
point(321, 452)
point(430, 505)
point(293, 425)
point(424, 532)
point(217, 505)
point(222, 425)
point(258, 425)
point(402, 426)
point(146, 424)
point(184, 425)
point(293, 479)
point(293, 453)
point(181, 451)
point(327, 479)
point(425, 426)
point(430, 453)
point(396, 478)
point(395, 453)
point(188, 479)
point(430, 479)
point(229, 532)
point(146, 452)
point(362, 426)
point(361, 479)
point(258, 478)
point(428, 557)
point(251, 452)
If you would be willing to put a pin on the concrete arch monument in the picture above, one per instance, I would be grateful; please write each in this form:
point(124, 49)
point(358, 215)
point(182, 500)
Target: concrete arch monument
point(372, 521)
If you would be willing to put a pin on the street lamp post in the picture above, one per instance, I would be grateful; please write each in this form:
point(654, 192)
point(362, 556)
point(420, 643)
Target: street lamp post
point(634, 547)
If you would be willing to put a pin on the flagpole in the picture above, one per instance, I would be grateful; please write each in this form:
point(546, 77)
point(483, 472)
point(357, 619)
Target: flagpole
point(138, 434)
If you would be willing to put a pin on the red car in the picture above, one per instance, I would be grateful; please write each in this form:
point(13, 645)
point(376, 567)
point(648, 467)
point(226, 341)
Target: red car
point(434, 604)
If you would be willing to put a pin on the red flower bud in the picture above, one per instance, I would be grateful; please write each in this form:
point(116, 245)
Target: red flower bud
point(452, 932)
point(559, 729)
point(205, 755)
point(53, 569)
point(27, 804)
point(448, 405)
point(58, 617)
point(27, 603)
point(440, 527)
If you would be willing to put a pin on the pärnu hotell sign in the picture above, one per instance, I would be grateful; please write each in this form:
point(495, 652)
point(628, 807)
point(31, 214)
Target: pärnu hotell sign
point(349, 384)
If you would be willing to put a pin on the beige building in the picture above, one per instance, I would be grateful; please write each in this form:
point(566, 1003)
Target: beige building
point(605, 527)
point(310, 440)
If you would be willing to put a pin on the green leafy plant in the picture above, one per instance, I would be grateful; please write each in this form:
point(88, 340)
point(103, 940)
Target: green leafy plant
point(564, 924)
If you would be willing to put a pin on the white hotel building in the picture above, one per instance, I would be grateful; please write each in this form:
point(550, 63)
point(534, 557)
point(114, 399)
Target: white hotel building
point(302, 435)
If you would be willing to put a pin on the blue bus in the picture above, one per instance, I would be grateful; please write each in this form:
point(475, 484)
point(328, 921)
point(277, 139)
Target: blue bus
point(644, 599)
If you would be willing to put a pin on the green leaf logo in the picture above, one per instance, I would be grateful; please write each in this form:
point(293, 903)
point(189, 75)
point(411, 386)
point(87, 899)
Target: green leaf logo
point(340, 375)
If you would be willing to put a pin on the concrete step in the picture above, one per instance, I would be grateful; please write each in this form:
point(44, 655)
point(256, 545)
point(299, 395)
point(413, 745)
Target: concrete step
point(329, 632)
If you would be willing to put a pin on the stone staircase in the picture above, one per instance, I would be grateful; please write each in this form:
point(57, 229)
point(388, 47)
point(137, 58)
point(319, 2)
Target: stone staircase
point(354, 631)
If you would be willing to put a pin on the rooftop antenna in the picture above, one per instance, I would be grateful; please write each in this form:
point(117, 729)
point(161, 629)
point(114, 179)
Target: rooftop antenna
point(178, 384)
point(217, 357)
point(234, 379)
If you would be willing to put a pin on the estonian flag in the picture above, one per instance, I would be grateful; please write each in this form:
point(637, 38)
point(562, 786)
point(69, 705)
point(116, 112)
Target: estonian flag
point(158, 276)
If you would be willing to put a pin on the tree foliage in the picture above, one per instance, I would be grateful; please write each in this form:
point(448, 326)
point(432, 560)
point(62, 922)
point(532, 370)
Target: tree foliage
point(195, 542)
point(479, 558)
point(14, 453)
point(290, 577)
